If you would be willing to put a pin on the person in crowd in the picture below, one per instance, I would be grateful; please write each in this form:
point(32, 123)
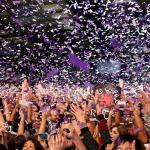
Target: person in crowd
point(131, 143)
point(32, 144)
point(54, 118)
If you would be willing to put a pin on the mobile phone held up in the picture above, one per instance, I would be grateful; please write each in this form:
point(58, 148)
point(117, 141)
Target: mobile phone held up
point(44, 136)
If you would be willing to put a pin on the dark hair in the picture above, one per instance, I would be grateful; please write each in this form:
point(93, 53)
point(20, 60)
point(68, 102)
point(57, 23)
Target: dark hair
point(36, 143)
point(16, 143)
point(130, 138)
point(121, 129)
point(2, 147)
point(19, 141)
point(37, 106)
point(103, 147)
point(11, 144)
point(97, 87)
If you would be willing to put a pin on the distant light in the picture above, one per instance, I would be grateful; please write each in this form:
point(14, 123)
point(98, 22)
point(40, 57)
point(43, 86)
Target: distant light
point(109, 67)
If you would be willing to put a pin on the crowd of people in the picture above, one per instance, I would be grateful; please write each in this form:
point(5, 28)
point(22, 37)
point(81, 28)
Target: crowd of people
point(53, 117)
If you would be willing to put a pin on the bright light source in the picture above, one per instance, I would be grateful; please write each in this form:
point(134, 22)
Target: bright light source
point(109, 67)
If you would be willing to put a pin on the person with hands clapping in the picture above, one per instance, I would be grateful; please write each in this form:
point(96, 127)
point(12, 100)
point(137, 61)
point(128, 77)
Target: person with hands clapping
point(22, 123)
point(56, 142)
point(138, 128)
point(72, 136)
point(80, 113)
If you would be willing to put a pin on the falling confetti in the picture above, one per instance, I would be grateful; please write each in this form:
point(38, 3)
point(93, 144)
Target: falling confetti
point(58, 40)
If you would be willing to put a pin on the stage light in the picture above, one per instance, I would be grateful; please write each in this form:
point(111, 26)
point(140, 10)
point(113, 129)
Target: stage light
point(109, 67)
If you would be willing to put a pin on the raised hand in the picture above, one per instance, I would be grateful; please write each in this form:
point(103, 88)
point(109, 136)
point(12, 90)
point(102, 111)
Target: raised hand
point(111, 112)
point(146, 109)
point(25, 89)
point(79, 112)
point(41, 89)
point(70, 133)
point(25, 85)
point(121, 83)
point(56, 142)
point(144, 97)
point(43, 122)
point(21, 124)
point(45, 115)
point(133, 145)
point(21, 115)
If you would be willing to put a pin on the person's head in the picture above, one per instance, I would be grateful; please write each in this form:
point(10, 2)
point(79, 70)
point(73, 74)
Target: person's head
point(129, 142)
point(36, 120)
point(35, 116)
point(10, 107)
point(101, 92)
point(61, 106)
point(54, 115)
point(10, 139)
point(35, 107)
point(116, 131)
point(32, 144)
point(19, 142)
point(43, 142)
point(91, 125)
point(98, 90)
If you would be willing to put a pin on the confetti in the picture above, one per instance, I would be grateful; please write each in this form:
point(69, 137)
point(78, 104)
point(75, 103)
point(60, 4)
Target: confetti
point(57, 42)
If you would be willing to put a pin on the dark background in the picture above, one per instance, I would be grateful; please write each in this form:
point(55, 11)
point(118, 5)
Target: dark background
point(33, 41)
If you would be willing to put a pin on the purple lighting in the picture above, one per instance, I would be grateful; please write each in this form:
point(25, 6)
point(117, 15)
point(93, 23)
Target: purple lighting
point(79, 63)
point(51, 73)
